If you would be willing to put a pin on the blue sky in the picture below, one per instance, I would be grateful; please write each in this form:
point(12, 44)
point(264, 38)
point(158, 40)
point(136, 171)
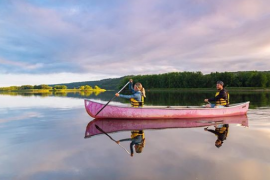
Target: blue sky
point(57, 41)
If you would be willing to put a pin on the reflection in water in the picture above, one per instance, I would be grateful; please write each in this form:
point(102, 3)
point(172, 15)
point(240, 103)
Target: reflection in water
point(167, 98)
point(137, 139)
point(43, 94)
point(42, 137)
point(116, 125)
point(221, 131)
point(86, 93)
point(98, 92)
point(174, 98)
point(60, 93)
point(78, 94)
point(101, 130)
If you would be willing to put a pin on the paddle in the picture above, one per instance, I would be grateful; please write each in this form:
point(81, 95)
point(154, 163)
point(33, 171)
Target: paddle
point(110, 137)
point(111, 99)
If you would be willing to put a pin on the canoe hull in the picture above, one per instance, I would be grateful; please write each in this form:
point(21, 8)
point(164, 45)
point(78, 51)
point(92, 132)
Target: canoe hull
point(118, 112)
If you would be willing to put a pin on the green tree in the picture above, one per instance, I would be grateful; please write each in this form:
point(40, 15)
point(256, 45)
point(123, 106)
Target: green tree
point(27, 87)
point(44, 86)
point(262, 79)
point(81, 87)
point(268, 80)
point(97, 88)
point(13, 88)
point(87, 87)
point(60, 87)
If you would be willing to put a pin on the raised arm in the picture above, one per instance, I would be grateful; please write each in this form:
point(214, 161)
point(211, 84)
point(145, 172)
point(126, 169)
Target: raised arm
point(131, 87)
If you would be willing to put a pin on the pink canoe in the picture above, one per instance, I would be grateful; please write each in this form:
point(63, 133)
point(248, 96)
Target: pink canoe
point(117, 125)
point(162, 112)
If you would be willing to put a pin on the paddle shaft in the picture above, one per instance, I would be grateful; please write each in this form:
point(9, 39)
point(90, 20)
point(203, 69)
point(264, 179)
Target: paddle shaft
point(111, 99)
point(111, 138)
point(104, 133)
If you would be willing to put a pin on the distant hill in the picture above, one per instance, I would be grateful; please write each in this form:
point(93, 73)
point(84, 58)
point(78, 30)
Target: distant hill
point(184, 80)
point(108, 84)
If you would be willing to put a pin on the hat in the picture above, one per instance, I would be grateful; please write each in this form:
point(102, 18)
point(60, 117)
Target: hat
point(220, 82)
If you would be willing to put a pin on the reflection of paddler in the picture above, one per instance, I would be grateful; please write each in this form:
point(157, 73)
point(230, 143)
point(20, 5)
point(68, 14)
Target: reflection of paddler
point(221, 131)
point(137, 139)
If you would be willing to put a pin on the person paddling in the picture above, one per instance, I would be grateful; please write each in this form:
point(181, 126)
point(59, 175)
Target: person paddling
point(137, 139)
point(138, 94)
point(221, 98)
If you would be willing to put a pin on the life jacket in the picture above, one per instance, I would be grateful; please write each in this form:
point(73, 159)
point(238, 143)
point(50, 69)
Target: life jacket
point(135, 103)
point(221, 101)
point(223, 130)
point(137, 133)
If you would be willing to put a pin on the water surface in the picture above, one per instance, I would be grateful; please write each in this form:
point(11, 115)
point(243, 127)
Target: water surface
point(42, 137)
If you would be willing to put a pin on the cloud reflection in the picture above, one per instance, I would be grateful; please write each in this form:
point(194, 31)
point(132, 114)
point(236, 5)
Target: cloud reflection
point(52, 146)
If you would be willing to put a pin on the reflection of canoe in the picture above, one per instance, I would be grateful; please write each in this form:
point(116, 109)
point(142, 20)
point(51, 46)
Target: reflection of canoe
point(116, 125)
point(161, 112)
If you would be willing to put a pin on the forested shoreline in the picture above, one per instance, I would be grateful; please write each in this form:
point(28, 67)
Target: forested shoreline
point(251, 79)
point(248, 80)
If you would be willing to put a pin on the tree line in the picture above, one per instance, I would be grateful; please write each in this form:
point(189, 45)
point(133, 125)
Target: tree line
point(199, 80)
point(108, 84)
point(87, 87)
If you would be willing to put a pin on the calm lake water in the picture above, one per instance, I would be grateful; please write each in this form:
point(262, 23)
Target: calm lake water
point(42, 137)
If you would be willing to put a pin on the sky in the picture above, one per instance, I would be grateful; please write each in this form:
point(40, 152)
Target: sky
point(60, 41)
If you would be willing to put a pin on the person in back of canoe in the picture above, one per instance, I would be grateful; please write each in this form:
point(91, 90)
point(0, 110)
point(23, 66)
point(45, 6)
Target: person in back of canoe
point(221, 98)
point(221, 131)
point(137, 139)
point(138, 94)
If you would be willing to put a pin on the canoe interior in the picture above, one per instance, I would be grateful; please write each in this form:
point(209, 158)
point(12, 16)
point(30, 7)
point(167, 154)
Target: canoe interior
point(166, 107)
point(118, 110)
